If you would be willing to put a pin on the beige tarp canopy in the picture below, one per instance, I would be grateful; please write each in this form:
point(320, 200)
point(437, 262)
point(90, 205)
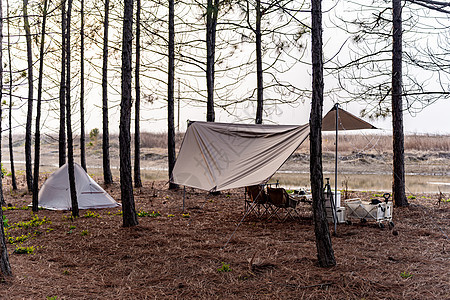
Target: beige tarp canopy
point(220, 156)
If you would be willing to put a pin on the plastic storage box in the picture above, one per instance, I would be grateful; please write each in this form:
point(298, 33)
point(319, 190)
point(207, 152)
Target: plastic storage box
point(340, 214)
point(337, 201)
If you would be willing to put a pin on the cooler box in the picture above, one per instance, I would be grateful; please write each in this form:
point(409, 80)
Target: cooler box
point(340, 214)
point(337, 201)
point(340, 211)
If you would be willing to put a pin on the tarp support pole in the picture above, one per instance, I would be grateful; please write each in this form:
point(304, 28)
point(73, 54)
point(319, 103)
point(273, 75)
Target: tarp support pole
point(335, 167)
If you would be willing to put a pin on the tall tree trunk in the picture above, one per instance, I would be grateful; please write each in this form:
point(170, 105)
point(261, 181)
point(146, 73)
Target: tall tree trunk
point(70, 160)
point(137, 112)
point(37, 134)
point(107, 176)
point(126, 180)
point(2, 199)
point(62, 89)
point(325, 252)
point(11, 152)
point(5, 267)
point(398, 182)
point(211, 23)
point(259, 70)
point(170, 94)
point(82, 127)
point(28, 161)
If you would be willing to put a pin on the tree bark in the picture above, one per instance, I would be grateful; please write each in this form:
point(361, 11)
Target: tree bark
point(70, 160)
point(28, 160)
point(137, 130)
point(82, 125)
point(126, 180)
point(62, 90)
point(170, 95)
point(5, 267)
point(259, 70)
point(325, 253)
point(211, 23)
point(107, 176)
point(10, 139)
point(2, 199)
point(37, 133)
point(398, 182)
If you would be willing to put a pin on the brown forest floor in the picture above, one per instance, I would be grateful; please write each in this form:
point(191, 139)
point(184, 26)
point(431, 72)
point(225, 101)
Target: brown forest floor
point(178, 257)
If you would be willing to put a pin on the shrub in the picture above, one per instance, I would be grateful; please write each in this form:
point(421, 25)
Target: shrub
point(34, 222)
point(19, 239)
point(24, 207)
point(5, 222)
point(224, 268)
point(90, 214)
point(406, 275)
point(4, 171)
point(24, 250)
point(93, 134)
point(147, 214)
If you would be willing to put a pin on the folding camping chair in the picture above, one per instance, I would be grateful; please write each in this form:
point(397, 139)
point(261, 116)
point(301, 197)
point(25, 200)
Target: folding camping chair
point(281, 201)
point(257, 201)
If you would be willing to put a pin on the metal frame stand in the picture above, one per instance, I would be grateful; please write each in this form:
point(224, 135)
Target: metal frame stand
point(332, 203)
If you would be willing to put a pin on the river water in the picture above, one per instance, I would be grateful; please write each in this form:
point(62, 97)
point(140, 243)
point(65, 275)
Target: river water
point(415, 183)
point(362, 182)
point(369, 182)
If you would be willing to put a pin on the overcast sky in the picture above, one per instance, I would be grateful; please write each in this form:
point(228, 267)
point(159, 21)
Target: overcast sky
point(434, 119)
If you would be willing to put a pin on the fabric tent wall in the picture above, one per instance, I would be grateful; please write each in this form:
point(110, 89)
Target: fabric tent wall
point(220, 156)
point(55, 192)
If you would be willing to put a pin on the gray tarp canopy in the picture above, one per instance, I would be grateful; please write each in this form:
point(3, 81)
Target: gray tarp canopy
point(221, 156)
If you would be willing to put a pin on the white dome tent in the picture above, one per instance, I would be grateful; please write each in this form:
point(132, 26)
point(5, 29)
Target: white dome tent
point(55, 192)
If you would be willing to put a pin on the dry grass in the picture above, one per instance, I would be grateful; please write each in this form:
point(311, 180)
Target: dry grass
point(347, 142)
point(173, 257)
point(383, 143)
point(158, 140)
point(428, 142)
point(148, 140)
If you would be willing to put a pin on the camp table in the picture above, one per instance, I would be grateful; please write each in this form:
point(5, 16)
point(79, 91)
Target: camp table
point(302, 197)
